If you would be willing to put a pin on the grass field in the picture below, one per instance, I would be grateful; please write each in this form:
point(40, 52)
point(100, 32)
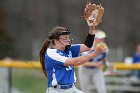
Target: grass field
point(29, 81)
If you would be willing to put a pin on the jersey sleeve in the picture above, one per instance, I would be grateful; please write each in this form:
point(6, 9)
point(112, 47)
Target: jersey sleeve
point(55, 59)
point(75, 49)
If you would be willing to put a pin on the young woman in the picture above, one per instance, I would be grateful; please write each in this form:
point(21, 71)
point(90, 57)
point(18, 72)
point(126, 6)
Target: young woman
point(58, 58)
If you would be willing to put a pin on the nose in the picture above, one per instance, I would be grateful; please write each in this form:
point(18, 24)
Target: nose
point(67, 40)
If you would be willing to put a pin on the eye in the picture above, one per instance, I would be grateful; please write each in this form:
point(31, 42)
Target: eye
point(65, 36)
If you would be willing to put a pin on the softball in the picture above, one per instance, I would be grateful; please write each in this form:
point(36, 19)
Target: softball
point(102, 44)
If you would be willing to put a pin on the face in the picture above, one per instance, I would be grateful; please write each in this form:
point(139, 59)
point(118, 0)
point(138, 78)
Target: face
point(97, 40)
point(65, 39)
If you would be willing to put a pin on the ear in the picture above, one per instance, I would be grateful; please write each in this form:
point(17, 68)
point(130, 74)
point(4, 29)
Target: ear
point(56, 41)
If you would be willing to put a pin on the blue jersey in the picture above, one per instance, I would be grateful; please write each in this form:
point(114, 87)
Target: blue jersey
point(136, 58)
point(54, 63)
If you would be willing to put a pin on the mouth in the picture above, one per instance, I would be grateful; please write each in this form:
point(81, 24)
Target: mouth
point(68, 43)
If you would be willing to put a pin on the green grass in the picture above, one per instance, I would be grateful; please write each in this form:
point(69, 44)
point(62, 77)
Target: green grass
point(29, 81)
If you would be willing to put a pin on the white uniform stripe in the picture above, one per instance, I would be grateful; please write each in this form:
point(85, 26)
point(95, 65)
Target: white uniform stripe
point(74, 77)
point(55, 56)
point(54, 81)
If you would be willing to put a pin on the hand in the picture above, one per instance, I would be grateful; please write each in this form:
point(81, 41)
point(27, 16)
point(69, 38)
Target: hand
point(100, 48)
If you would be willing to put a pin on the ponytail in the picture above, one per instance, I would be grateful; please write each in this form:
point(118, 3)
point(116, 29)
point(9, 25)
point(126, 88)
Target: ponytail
point(46, 45)
point(42, 55)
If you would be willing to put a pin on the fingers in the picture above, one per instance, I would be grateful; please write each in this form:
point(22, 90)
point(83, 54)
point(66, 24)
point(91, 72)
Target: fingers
point(101, 47)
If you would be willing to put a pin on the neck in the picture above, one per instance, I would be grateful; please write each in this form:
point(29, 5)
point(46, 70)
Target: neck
point(59, 45)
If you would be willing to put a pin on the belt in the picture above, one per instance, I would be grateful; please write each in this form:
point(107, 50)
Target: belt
point(63, 86)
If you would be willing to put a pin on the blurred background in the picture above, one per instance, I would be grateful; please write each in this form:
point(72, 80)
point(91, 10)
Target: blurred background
point(25, 24)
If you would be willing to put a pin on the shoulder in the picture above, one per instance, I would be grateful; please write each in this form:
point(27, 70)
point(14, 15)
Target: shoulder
point(76, 45)
point(55, 54)
point(75, 48)
point(51, 50)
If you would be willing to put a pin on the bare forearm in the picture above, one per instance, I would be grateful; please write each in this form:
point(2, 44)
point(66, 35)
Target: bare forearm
point(92, 30)
point(83, 59)
point(80, 60)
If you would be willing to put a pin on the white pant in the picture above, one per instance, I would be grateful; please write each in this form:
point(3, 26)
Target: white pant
point(96, 77)
point(71, 90)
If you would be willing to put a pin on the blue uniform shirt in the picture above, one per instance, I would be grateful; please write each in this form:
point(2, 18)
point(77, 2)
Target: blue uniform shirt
point(136, 58)
point(54, 61)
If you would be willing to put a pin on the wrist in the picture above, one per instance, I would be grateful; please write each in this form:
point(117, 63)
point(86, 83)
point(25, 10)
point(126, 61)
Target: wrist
point(96, 53)
point(89, 56)
point(92, 27)
point(92, 30)
point(89, 40)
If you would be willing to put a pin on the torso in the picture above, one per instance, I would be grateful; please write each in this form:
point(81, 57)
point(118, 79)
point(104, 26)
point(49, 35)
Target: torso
point(54, 63)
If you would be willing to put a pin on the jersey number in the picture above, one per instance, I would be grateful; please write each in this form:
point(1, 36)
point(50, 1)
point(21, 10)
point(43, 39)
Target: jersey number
point(68, 68)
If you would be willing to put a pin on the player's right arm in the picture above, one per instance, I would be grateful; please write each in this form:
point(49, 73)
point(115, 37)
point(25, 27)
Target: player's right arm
point(85, 58)
point(79, 60)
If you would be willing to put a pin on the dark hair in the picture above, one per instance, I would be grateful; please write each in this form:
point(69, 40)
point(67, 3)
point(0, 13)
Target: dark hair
point(46, 45)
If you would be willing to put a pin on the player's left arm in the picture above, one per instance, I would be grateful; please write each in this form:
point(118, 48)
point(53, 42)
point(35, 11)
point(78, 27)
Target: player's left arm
point(84, 48)
point(92, 14)
point(89, 40)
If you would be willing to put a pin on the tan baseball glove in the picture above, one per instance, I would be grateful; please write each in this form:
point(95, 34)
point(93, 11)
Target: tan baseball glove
point(93, 14)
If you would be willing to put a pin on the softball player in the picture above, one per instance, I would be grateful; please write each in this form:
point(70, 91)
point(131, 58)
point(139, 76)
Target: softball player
point(92, 69)
point(59, 60)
